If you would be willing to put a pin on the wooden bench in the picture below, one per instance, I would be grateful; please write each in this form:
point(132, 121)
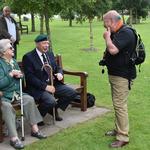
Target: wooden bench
point(81, 88)
point(22, 28)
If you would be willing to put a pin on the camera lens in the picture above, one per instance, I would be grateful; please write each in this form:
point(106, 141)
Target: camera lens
point(102, 62)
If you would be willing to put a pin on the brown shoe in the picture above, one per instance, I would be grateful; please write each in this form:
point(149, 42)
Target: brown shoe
point(111, 133)
point(118, 144)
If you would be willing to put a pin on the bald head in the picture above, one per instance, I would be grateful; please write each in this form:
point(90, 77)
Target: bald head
point(112, 20)
point(112, 14)
point(6, 11)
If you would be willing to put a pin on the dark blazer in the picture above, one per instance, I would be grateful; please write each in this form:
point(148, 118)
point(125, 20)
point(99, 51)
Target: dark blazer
point(36, 78)
point(4, 29)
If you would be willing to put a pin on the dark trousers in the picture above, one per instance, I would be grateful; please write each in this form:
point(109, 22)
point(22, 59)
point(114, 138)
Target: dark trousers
point(15, 50)
point(63, 95)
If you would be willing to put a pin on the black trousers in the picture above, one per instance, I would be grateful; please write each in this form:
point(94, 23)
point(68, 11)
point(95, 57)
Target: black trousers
point(15, 50)
point(61, 99)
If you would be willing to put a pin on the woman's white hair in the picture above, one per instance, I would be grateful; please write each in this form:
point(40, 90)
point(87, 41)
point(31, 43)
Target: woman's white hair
point(4, 45)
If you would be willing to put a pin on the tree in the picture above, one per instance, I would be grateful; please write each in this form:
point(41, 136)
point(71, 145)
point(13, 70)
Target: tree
point(23, 7)
point(90, 9)
point(1, 5)
point(50, 8)
point(116, 4)
point(137, 9)
point(44, 8)
point(68, 10)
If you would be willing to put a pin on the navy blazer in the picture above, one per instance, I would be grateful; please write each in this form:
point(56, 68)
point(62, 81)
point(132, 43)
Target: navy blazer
point(36, 78)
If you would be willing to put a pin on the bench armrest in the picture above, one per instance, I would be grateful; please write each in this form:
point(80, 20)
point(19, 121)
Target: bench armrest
point(75, 73)
point(83, 76)
point(83, 84)
point(24, 26)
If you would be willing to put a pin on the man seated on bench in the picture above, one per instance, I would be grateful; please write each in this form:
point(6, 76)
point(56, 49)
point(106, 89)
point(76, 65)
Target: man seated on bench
point(10, 75)
point(43, 79)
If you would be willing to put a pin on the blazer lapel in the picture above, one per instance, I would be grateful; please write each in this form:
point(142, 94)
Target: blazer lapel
point(37, 58)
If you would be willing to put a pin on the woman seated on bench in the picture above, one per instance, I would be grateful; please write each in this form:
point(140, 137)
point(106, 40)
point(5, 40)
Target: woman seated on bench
point(10, 75)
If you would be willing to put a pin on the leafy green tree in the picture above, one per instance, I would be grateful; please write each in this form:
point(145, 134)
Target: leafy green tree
point(44, 8)
point(137, 8)
point(2, 2)
point(68, 10)
point(117, 5)
point(90, 9)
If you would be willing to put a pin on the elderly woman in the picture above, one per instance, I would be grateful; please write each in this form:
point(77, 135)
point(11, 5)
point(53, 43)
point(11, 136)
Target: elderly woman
point(9, 86)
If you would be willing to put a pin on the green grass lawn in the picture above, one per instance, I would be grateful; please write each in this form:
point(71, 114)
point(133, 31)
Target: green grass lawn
point(68, 41)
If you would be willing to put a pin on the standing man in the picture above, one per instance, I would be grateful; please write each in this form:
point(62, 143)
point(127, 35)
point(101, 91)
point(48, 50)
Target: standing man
point(9, 29)
point(120, 42)
point(38, 79)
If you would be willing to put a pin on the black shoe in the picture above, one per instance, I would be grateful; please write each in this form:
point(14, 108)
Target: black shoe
point(41, 123)
point(58, 118)
point(38, 135)
point(17, 144)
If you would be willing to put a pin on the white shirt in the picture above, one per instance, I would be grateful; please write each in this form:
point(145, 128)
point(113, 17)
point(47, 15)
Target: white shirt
point(11, 27)
point(40, 55)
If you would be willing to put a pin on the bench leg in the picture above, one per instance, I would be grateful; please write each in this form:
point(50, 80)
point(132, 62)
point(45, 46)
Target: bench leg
point(84, 94)
point(83, 101)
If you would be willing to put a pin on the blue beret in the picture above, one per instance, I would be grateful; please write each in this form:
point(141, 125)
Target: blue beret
point(41, 37)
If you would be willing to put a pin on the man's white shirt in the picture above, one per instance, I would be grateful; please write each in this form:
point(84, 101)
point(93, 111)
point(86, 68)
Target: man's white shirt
point(11, 27)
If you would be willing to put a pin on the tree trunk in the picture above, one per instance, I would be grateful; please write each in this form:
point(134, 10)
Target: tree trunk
point(41, 24)
point(137, 19)
point(70, 22)
point(130, 21)
point(70, 18)
point(91, 35)
point(19, 18)
point(48, 29)
point(123, 17)
point(32, 22)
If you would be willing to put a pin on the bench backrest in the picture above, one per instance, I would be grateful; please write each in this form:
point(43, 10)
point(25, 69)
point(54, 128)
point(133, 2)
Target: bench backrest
point(57, 59)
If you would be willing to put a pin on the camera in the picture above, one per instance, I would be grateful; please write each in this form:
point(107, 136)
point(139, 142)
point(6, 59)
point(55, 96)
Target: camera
point(102, 62)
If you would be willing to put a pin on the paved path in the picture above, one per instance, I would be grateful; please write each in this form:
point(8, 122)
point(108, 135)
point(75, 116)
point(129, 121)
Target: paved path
point(71, 117)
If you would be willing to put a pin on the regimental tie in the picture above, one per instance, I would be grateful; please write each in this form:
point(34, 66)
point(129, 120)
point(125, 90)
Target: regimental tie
point(48, 69)
point(44, 59)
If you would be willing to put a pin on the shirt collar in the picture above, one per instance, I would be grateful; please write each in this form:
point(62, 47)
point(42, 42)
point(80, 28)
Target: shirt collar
point(38, 52)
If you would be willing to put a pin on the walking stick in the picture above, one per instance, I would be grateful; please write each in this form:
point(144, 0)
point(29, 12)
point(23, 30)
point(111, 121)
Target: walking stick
point(49, 71)
point(22, 116)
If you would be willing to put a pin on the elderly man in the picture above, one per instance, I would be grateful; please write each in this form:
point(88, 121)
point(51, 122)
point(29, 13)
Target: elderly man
point(39, 81)
point(120, 42)
point(9, 29)
point(10, 75)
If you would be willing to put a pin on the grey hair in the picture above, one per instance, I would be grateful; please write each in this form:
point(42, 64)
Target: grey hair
point(112, 14)
point(4, 45)
point(6, 7)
